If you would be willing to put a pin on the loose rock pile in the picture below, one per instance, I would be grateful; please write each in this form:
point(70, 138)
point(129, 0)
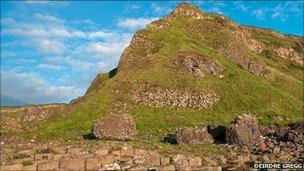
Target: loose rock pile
point(172, 98)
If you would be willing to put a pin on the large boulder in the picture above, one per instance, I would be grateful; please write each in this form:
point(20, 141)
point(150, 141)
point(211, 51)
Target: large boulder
point(116, 127)
point(244, 131)
point(193, 136)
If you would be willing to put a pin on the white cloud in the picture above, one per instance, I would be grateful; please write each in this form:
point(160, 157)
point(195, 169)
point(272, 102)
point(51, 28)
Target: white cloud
point(260, 13)
point(239, 5)
point(47, 3)
point(31, 88)
point(216, 7)
point(56, 45)
point(134, 23)
point(278, 12)
point(49, 18)
point(50, 66)
point(50, 46)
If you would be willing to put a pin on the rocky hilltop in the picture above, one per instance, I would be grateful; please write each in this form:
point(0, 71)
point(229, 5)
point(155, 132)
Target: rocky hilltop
point(218, 94)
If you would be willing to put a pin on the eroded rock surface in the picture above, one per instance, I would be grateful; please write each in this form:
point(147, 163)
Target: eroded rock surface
point(174, 98)
point(195, 64)
point(244, 131)
point(291, 54)
point(193, 136)
point(115, 126)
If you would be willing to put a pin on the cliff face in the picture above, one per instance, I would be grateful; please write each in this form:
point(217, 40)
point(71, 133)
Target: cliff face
point(201, 67)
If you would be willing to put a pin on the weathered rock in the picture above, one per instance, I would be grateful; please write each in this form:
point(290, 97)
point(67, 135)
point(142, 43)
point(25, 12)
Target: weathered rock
point(92, 164)
point(14, 167)
point(48, 165)
point(127, 151)
point(164, 161)
point(176, 98)
point(111, 167)
point(192, 63)
point(244, 131)
point(195, 161)
point(193, 136)
point(117, 127)
point(73, 164)
point(180, 161)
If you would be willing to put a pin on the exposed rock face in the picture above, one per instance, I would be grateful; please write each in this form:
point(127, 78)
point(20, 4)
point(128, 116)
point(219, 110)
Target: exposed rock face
point(192, 63)
point(193, 136)
point(290, 53)
point(244, 131)
point(117, 127)
point(186, 11)
point(241, 58)
point(173, 98)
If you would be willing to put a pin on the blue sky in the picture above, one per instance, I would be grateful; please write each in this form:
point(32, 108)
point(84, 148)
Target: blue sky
point(51, 51)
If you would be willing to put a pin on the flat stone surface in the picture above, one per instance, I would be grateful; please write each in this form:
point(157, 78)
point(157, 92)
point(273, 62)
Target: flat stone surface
point(195, 161)
point(92, 164)
point(127, 151)
point(48, 165)
point(180, 161)
point(167, 168)
point(74, 164)
point(13, 167)
point(165, 161)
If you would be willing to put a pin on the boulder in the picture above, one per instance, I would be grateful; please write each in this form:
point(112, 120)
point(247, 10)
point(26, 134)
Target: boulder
point(244, 131)
point(193, 136)
point(116, 127)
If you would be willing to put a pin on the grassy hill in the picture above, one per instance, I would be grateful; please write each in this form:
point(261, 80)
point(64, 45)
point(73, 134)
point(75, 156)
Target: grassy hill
point(262, 74)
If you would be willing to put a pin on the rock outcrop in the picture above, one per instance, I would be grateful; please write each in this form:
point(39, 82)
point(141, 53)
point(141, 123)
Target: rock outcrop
point(244, 131)
point(116, 127)
point(291, 54)
point(174, 98)
point(198, 65)
point(193, 136)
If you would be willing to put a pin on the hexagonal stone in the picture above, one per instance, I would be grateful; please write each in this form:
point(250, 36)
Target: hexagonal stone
point(13, 167)
point(164, 161)
point(48, 165)
point(116, 153)
point(127, 151)
point(101, 151)
point(92, 164)
point(107, 159)
point(180, 161)
point(195, 161)
point(153, 160)
point(73, 164)
point(138, 168)
point(167, 168)
point(111, 167)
